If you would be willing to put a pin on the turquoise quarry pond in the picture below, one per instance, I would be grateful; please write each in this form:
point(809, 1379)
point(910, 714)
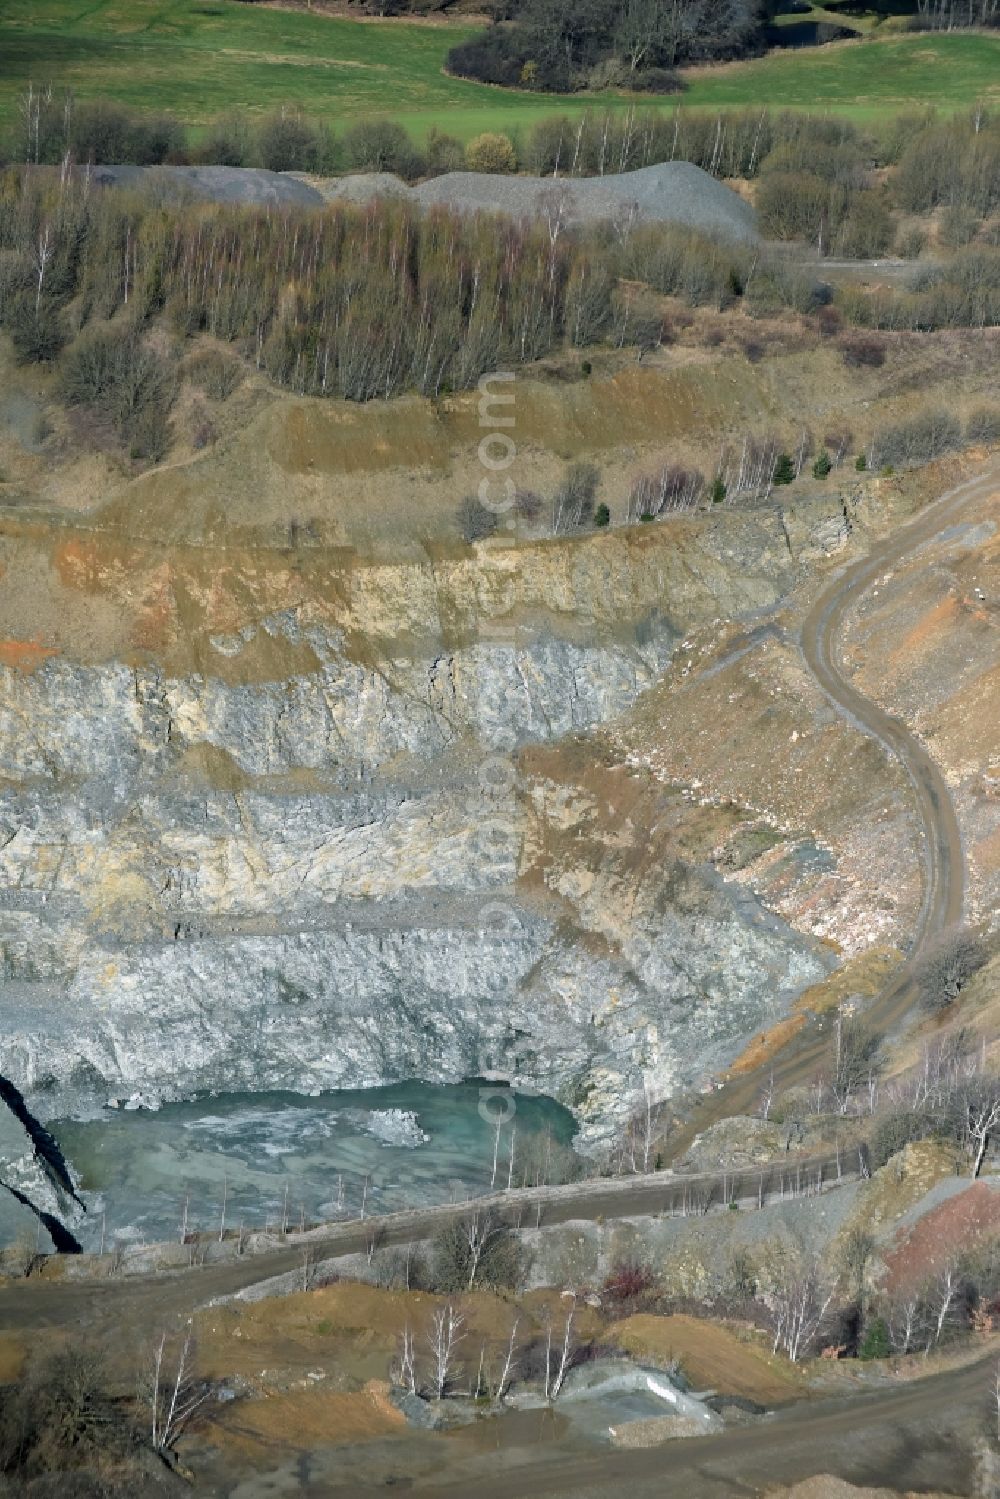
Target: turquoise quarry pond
point(278, 1153)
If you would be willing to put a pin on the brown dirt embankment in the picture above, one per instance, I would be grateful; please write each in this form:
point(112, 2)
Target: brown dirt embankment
point(712, 1356)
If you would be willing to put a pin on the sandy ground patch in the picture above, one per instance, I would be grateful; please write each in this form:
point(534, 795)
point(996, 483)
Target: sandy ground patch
point(12, 1357)
point(712, 1357)
point(305, 1419)
point(825, 1487)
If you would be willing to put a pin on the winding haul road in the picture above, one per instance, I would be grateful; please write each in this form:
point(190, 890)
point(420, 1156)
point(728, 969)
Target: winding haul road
point(944, 876)
point(910, 1435)
point(941, 839)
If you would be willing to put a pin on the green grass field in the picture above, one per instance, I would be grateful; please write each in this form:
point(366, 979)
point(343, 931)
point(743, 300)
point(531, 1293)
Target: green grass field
point(199, 59)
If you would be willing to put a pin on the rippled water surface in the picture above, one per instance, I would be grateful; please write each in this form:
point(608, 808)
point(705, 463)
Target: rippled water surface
point(281, 1155)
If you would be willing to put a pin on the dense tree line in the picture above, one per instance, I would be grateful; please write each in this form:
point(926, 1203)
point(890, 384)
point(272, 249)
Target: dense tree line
point(816, 178)
point(562, 45)
point(947, 15)
point(364, 302)
point(359, 302)
point(938, 15)
point(962, 292)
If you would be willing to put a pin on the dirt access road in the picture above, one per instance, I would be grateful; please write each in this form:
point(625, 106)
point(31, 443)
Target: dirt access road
point(944, 865)
point(919, 1435)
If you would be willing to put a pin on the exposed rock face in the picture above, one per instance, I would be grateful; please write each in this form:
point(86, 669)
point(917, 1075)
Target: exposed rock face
point(253, 940)
point(33, 1172)
point(351, 873)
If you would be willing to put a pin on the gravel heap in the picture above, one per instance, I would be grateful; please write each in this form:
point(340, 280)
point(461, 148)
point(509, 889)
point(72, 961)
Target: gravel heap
point(675, 192)
point(218, 184)
point(360, 187)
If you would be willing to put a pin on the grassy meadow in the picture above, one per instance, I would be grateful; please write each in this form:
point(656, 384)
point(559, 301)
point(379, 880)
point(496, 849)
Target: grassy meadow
point(200, 59)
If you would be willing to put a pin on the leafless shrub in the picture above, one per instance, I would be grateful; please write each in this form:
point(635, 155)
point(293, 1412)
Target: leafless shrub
point(839, 444)
point(111, 369)
point(217, 374)
point(476, 520)
point(477, 1249)
point(374, 1239)
point(983, 425)
point(203, 432)
point(863, 351)
point(60, 1417)
point(828, 322)
point(197, 1248)
point(528, 505)
point(20, 1257)
point(667, 489)
point(918, 440)
point(573, 505)
point(630, 1281)
point(858, 1059)
point(948, 967)
point(741, 1279)
point(308, 1260)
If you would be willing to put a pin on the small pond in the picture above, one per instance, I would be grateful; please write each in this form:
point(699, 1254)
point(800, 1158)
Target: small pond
point(278, 1156)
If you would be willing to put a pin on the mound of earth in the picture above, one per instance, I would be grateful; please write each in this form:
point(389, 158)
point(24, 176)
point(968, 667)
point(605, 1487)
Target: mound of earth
point(825, 1487)
point(952, 1217)
point(218, 184)
point(675, 192)
point(712, 1356)
point(359, 187)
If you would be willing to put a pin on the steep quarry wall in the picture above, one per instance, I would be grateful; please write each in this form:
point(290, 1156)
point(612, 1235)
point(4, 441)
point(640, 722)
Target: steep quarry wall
point(300, 843)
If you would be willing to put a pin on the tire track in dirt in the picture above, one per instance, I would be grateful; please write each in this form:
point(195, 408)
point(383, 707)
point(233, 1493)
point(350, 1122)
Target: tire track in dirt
point(943, 858)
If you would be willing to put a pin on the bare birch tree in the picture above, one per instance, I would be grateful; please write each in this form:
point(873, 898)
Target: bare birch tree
point(801, 1299)
point(904, 1323)
point(555, 1383)
point(509, 1364)
point(943, 1296)
point(983, 1116)
point(175, 1393)
point(403, 1371)
point(443, 1339)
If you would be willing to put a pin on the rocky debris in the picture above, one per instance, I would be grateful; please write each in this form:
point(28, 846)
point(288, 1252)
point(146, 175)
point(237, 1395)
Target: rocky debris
point(633, 1405)
point(740, 1142)
point(823, 1486)
point(33, 1172)
point(653, 1430)
point(395, 1127)
point(694, 1253)
point(954, 1216)
point(249, 185)
point(358, 187)
point(425, 1415)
